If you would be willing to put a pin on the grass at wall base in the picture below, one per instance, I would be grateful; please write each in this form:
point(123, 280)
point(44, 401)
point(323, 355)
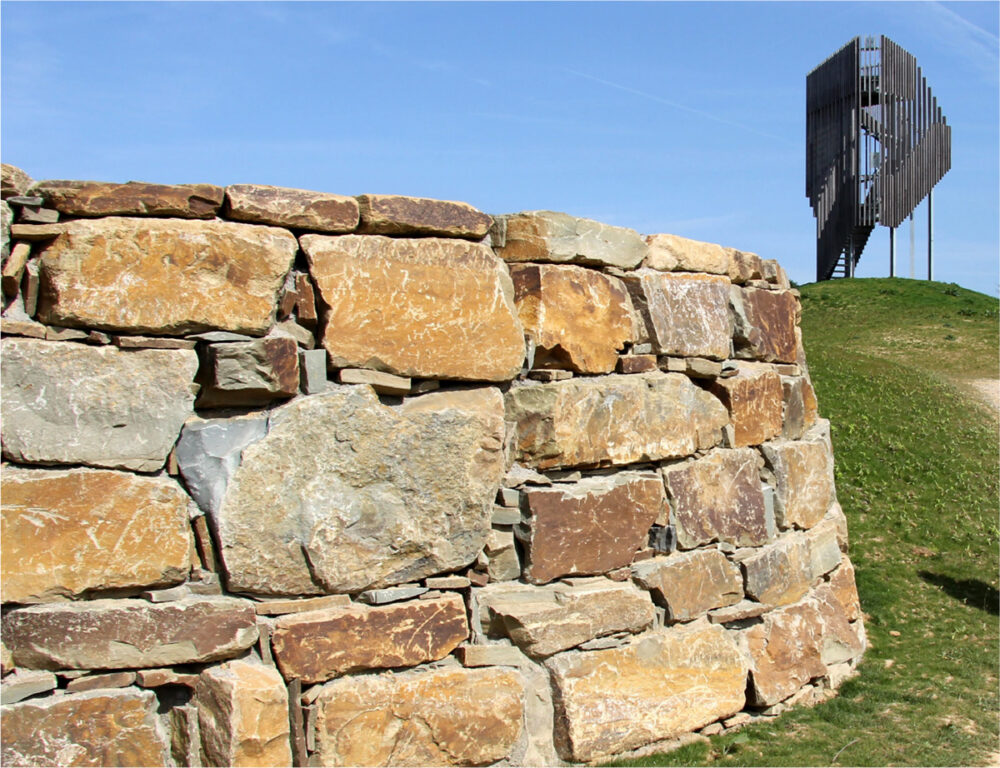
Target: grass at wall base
point(917, 474)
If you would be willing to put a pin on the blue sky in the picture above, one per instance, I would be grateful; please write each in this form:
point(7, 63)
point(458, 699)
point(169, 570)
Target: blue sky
point(662, 116)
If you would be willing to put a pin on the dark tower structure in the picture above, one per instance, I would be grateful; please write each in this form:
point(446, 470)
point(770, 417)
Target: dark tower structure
point(876, 144)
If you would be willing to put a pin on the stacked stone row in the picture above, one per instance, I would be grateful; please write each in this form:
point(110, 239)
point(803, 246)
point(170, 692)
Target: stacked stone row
point(299, 478)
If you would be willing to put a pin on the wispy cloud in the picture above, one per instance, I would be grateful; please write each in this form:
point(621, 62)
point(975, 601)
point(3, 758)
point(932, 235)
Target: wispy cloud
point(674, 104)
point(978, 46)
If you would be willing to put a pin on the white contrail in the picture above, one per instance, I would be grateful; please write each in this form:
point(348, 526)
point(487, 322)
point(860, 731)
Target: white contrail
point(674, 104)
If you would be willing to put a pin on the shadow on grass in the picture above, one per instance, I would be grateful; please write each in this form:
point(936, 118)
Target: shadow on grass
point(972, 592)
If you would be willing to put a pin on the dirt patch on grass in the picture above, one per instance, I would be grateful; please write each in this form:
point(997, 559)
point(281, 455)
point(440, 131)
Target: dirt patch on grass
point(988, 390)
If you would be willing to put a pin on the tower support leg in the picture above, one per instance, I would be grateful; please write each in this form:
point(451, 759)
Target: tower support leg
point(892, 251)
point(930, 234)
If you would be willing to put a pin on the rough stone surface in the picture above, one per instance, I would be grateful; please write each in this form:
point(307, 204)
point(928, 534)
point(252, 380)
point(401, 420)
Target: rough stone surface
point(345, 494)
point(164, 276)
point(135, 198)
point(824, 552)
point(123, 634)
point(785, 653)
point(545, 620)
point(779, 573)
point(243, 715)
point(504, 564)
point(97, 728)
point(297, 208)
point(69, 531)
point(842, 640)
point(686, 314)
point(589, 527)
point(66, 403)
point(416, 307)
point(803, 470)
point(659, 686)
point(800, 410)
point(845, 591)
point(399, 215)
point(616, 419)
point(578, 318)
point(320, 645)
point(689, 584)
point(765, 324)
point(754, 400)
point(718, 497)
point(437, 717)
point(382, 382)
point(210, 450)
point(13, 181)
point(558, 237)
point(671, 252)
point(250, 372)
point(25, 683)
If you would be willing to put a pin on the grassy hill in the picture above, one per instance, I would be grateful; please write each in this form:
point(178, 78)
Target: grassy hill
point(917, 474)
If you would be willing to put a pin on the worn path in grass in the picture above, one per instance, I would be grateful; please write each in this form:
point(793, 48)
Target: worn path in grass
point(917, 474)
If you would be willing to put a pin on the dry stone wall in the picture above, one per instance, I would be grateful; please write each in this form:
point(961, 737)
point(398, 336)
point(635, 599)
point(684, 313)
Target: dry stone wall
point(294, 478)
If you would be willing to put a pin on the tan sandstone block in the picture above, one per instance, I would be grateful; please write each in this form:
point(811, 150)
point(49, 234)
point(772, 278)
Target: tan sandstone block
point(779, 573)
point(319, 645)
point(687, 315)
point(129, 634)
point(754, 400)
point(96, 728)
point(845, 591)
point(13, 181)
point(842, 640)
point(296, 208)
point(803, 471)
point(416, 307)
point(243, 715)
point(164, 276)
point(785, 649)
point(672, 252)
point(801, 409)
point(718, 497)
point(436, 717)
point(691, 583)
point(546, 620)
point(659, 686)
point(615, 419)
point(550, 236)
point(400, 215)
point(69, 531)
point(589, 527)
point(579, 318)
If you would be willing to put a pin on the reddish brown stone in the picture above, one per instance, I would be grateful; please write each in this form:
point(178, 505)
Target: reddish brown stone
point(754, 400)
point(319, 645)
point(305, 304)
point(785, 651)
point(842, 640)
point(579, 318)
point(97, 682)
point(803, 471)
point(718, 497)
point(691, 583)
point(800, 411)
point(637, 363)
point(589, 527)
point(779, 573)
point(250, 372)
point(765, 324)
point(845, 591)
point(13, 181)
point(297, 208)
point(123, 634)
point(135, 198)
point(88, 729)
point(403, 216)
point(686, 314)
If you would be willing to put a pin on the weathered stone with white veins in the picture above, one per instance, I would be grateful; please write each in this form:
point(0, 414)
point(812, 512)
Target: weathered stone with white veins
point(66, 403)
point(123, 634)
point(346, 494)
point(210, 450)
point(426, 307)
point(691, 583)
point(549, 236)
point(803, 470)
point(105, 727)
point(68, 531)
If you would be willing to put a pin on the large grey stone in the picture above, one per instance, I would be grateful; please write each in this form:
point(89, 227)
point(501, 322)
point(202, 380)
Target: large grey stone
point(209, 452)
point(66, 403)
point(346, 494)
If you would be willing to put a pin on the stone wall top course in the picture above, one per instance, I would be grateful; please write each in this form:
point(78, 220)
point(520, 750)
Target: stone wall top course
point(134, 198)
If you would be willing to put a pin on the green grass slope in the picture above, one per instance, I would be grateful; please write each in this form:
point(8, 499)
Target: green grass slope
point(917, 475)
